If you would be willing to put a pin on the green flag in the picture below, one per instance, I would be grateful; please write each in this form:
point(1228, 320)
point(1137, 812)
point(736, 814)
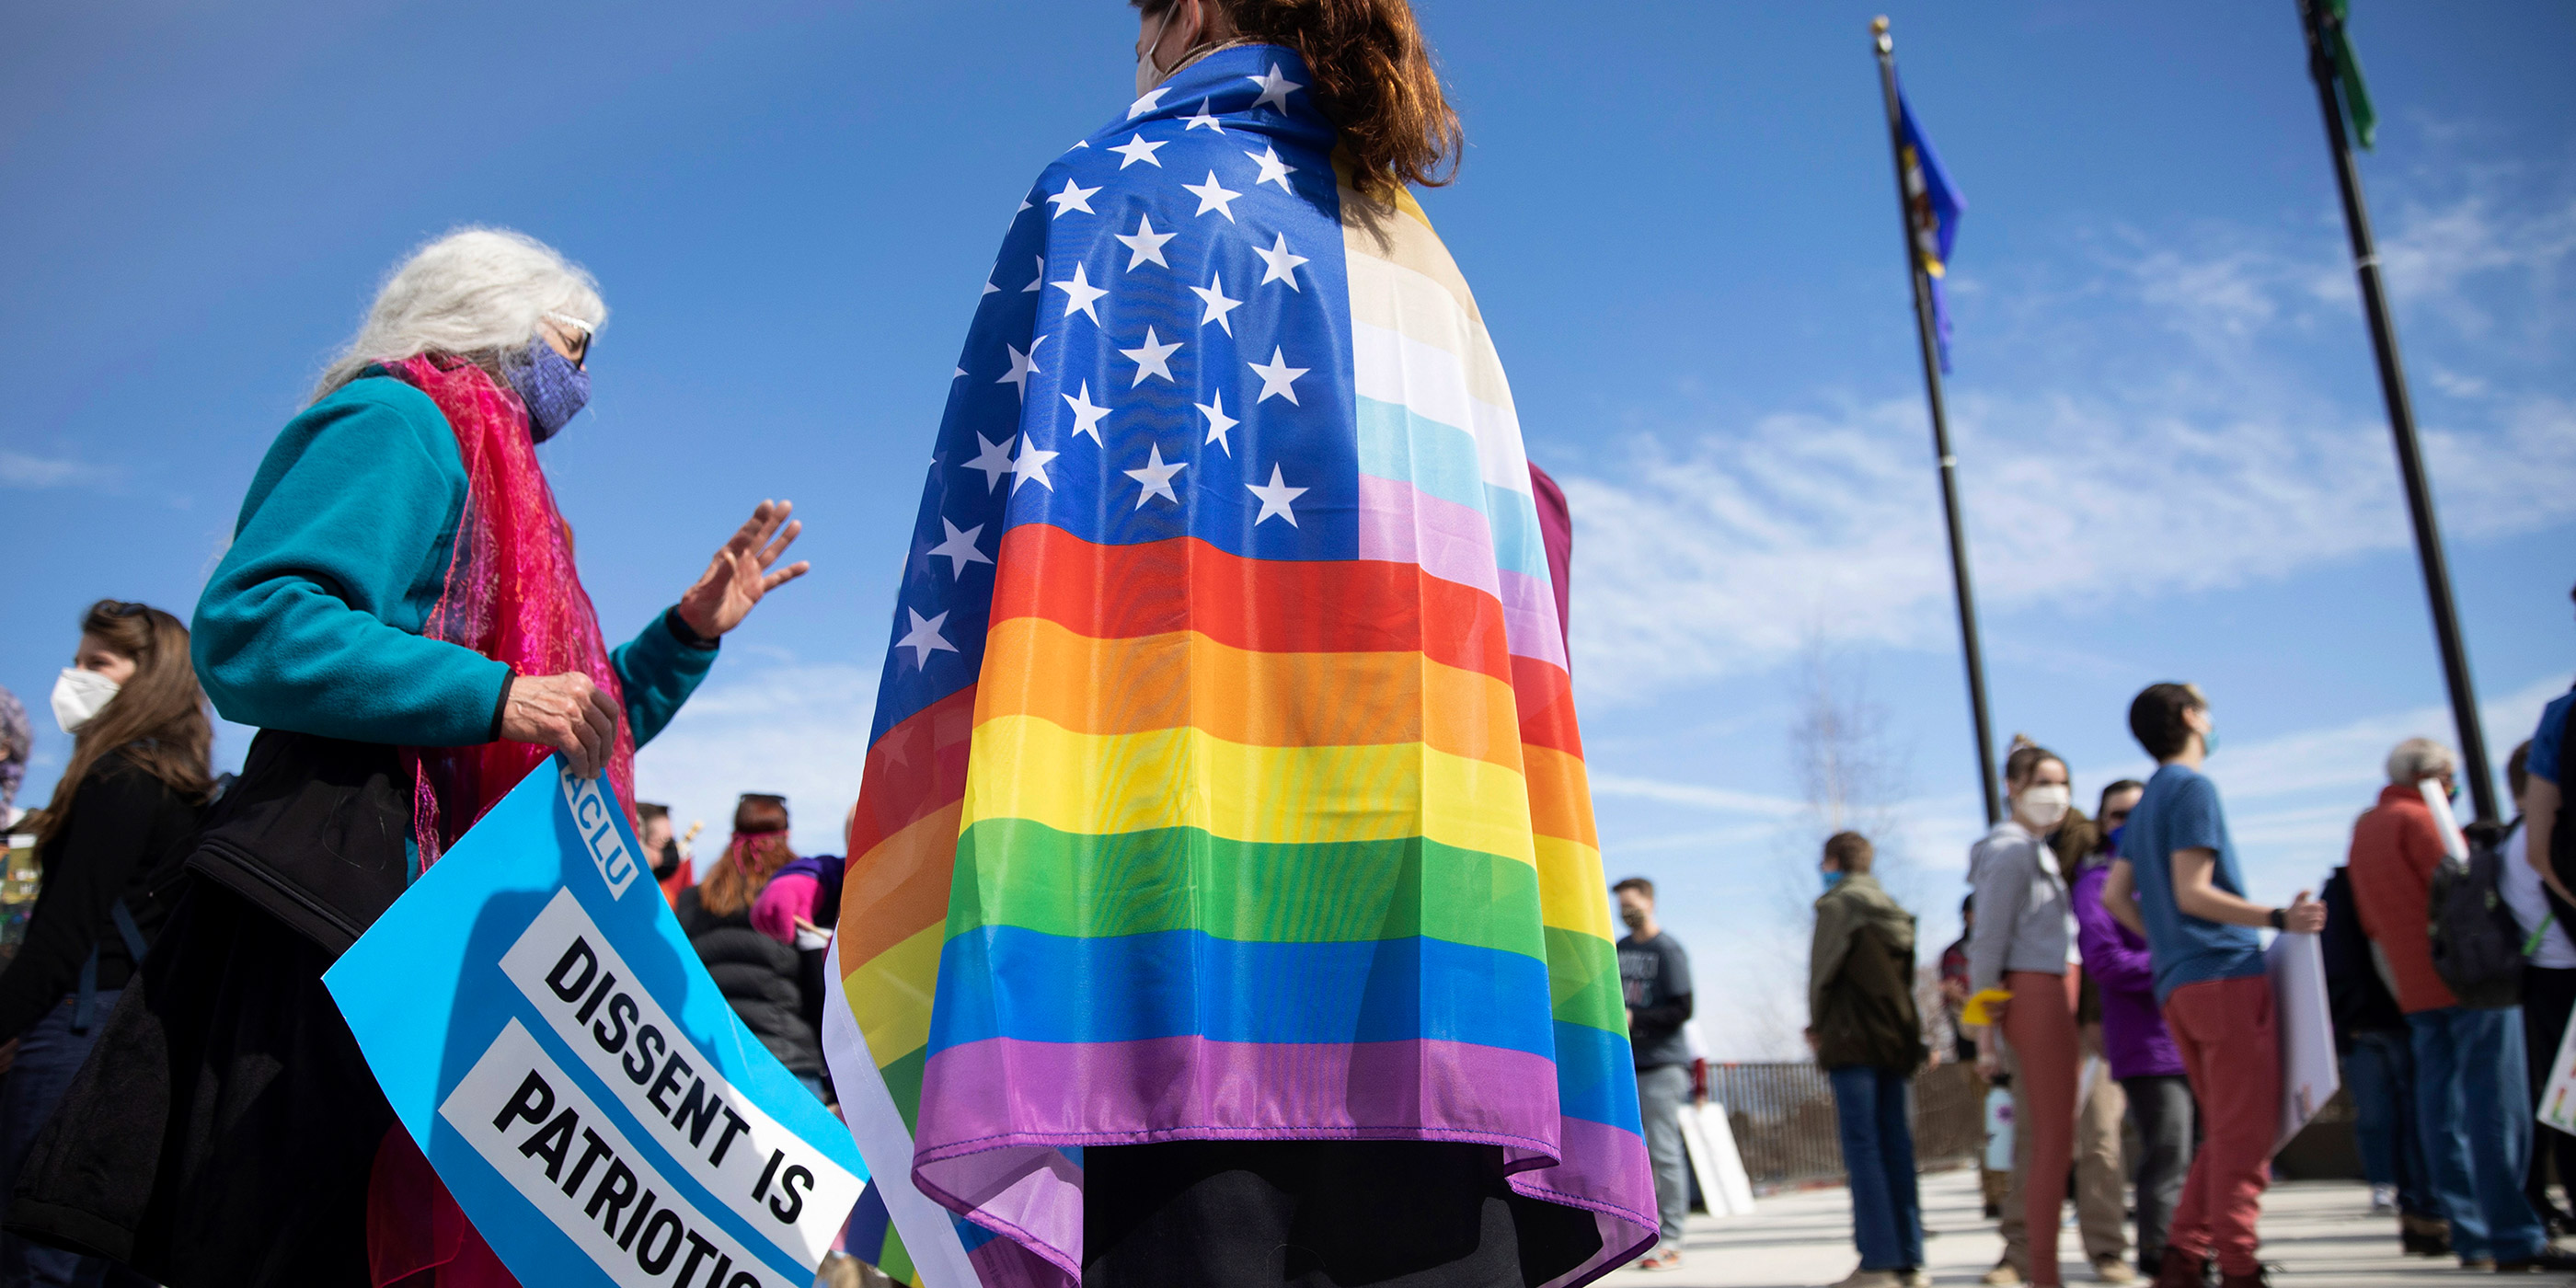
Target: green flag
point(2356, 95)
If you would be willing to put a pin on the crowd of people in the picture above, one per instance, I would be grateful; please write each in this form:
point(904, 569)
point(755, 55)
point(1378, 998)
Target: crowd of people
point(2111, 969)
point(2112, 977)
point(399, 614)
point(113, 840)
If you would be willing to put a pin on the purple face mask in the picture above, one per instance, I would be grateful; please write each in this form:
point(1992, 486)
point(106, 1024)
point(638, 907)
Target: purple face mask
point(552, 387)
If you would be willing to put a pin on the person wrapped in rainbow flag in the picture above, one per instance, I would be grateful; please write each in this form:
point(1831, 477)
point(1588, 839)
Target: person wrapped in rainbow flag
point(1224, 905)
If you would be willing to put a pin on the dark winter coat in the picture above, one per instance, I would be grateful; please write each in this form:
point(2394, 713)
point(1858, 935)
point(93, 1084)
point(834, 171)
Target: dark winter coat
point(760, 978)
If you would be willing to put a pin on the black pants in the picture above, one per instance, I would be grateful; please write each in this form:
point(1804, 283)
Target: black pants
point(1318, 1214)
point(2547, 997)
point(2168, 1121)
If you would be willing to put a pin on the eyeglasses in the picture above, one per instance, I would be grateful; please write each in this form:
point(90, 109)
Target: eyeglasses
point(2114, 818)
point(578, 333)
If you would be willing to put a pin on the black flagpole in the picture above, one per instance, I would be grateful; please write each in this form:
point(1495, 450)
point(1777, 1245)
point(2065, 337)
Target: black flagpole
point(2401, 423)
point(1923, 328)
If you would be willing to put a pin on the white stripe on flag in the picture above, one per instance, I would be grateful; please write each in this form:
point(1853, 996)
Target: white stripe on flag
point(938, 1257)
point(1392, 367)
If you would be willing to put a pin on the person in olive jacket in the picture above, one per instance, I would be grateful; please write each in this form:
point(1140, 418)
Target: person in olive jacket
point(1869, 1038)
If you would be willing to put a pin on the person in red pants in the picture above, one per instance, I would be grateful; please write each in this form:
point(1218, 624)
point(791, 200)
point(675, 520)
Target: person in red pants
point(2020, 945)
point(2177, 884)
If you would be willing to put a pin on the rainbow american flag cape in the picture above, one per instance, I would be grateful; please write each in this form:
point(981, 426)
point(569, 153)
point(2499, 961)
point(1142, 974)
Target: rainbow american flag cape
point(1224, 781)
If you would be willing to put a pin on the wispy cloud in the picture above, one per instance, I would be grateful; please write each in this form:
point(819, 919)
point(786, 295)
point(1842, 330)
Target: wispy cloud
point(21, 470)
point(2491, 235)
point(2495, 244)
point(1706, 556)
point(2126, 465)
point(2291, 796)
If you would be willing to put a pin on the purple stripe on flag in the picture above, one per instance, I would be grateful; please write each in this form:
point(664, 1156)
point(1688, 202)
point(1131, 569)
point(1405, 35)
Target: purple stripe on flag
point(1064, 1093)
point(997, 1153)
point(1600, 1160)
point(1400, 523)
point(1004, 1263)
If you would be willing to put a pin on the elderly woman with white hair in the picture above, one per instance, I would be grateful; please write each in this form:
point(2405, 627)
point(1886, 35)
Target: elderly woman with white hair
point(400, 615)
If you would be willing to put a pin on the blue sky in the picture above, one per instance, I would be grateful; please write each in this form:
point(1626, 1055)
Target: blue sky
point(1678, 222)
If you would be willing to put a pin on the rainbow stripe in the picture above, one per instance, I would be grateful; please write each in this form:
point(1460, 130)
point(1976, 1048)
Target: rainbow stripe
point(1186, 822)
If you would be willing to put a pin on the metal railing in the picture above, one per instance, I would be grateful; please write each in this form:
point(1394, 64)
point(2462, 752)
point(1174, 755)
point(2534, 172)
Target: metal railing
point(1783, 1118)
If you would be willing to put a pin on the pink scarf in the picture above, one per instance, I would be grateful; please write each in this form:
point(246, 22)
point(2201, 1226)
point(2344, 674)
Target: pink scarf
point(512, 595)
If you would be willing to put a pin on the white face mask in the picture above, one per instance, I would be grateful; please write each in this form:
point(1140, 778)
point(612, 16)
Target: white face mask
point(80, 695)
point(2043, 804)
point(1147, 74)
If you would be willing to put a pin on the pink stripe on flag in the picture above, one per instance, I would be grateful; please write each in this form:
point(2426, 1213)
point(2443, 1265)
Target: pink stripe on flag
point(1529, 618)
point(1400, 523)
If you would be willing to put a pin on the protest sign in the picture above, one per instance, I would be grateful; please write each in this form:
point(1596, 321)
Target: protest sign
point(2556, 1109)
point(543, 1029)
point(2304, 1024)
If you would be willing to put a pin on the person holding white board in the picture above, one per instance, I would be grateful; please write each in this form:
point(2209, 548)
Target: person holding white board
point(2548, 988)
point(2190, 902)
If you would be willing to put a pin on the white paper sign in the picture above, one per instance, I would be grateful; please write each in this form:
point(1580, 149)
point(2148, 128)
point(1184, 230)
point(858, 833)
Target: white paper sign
point(1709, 1139)
point(2556, 1094)
point(2303, 1022)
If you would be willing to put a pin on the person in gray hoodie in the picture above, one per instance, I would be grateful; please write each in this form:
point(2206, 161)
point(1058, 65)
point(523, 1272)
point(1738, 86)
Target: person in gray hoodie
point(2021, 945)
point(1868, 1037)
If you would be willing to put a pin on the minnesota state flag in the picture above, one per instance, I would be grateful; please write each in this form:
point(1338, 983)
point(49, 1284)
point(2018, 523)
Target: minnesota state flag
point(1932, 209)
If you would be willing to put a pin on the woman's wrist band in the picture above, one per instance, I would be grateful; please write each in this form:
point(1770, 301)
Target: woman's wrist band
point(501, 707)
point(685, 633)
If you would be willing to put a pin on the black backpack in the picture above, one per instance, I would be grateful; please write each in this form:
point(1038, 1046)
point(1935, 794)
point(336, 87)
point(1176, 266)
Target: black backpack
point(2477, 945)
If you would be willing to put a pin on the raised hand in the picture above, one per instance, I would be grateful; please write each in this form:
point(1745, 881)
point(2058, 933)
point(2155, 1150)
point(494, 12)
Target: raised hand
point(740, 572)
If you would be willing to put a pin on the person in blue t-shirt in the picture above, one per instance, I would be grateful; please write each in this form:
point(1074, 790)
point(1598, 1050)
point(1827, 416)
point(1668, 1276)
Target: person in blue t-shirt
point(2178, 885)
point(2540, 807)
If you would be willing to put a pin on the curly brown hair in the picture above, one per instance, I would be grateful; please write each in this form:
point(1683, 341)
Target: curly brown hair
point(1374, 78)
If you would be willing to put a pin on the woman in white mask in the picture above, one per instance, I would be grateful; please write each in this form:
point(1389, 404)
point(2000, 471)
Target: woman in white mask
point(401, 615)
point(2020, 945)
point(113, 844)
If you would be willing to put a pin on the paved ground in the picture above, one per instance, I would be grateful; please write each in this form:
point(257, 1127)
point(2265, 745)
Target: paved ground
point(2316, 1232)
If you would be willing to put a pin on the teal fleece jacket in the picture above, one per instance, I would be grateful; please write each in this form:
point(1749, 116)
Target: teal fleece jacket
point(312, 621)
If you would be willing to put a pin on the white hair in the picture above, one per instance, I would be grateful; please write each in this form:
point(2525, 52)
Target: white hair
point(476, 293)
point(2417, 759)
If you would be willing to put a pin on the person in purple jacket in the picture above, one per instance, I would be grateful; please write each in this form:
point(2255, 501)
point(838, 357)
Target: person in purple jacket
point(2134, 1040)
